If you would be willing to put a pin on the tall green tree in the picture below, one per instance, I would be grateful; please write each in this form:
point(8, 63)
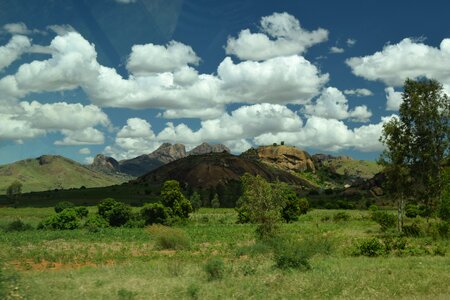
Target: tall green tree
point(14, 190)
point(417, 143)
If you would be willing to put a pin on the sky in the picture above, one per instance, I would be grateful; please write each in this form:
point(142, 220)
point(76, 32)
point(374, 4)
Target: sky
point(121, 77)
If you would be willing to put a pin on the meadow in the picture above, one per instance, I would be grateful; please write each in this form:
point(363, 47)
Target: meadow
point(213, 257)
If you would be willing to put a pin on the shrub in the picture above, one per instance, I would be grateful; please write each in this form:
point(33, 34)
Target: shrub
point(196, 201)
point(135, 221)
point(117, 213)
point(65, 220)
point(411, 230)
point(60, 206)
point(155, 213)
point(384, 219)
point(95, 222)
point(214, 268)
point(169, 238)
point(17, 225)
point(341, 216)
point(371, 247)
point(411, 211)
point(289, 254)
point(444, 208)
point(373, 207)
point(443, 229)
point(294, 207)
point(173, 198)
point(215, 202)
point(82, 212)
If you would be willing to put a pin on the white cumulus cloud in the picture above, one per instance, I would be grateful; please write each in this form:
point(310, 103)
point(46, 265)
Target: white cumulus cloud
point(16, 46)
point(394, 99)
point(281, 35)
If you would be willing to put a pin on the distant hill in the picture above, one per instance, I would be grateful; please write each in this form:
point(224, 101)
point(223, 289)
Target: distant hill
point(145, 163)
point(213, 169)
point(346, 166)
point(49, 172)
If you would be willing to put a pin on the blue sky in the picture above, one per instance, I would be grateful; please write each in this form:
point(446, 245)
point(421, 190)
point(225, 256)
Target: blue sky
point(120, 77)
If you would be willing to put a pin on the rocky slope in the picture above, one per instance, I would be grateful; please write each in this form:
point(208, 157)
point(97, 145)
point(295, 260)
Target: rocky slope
point(206, 148)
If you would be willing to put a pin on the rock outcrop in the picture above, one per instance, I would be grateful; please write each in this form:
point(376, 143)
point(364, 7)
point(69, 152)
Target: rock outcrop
point(105, 164)
point(167, 153)
point(206, 148)
point(284, 157)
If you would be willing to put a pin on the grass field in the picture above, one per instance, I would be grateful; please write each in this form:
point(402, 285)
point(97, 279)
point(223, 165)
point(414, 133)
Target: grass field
point(126, 263)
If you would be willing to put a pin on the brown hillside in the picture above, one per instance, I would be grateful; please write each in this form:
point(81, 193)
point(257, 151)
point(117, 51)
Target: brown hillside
point(211, 170)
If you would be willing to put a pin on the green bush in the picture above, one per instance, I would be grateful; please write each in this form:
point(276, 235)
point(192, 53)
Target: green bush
point(65, 220)
point(341, 216)
point(155, 213)
point(215, 202)
point(17, 225)
point(196, 201)
point(60, 206)
point(443, 229)
point(95, 222)
point(135, 221)
point(82, 212)
point(412, 230)
point(214, 268)
point(116, 213)
point(373, 207)
point(168, 238)
point(290, 254)
point(384, 219)
point(444, 208)
point(294, 207)
point(371, 247)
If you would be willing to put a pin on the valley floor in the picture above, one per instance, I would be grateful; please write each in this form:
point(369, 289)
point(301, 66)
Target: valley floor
point(125, 263)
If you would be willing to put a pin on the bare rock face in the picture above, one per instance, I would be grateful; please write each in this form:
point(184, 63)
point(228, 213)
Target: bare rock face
point(167, 152)
point(287, 158)
point(105, 163)
point(206, 148)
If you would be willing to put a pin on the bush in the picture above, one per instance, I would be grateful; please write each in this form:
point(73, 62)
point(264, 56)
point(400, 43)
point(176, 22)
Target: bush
point(155, 213)
point(173, 198)
point(82, 212)
point(135, 221)
point(60, 206)
point(116, 213)
point(294, 208)
point(341, 216)
point(65, 220)
point(167, 238)
point(17, 225)
point(443, 229)
point(214, 268)
point(289, 254)
point(411, 230)
point(384, 219)
point(372, 247)
point(444, 208)
point(373, 208)
point(196, 201)
point(95, 222)
point(215, 202)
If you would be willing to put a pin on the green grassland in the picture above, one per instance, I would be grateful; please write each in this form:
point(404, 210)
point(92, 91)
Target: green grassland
point(350, 167)
point(56, 173)
point(126, 263)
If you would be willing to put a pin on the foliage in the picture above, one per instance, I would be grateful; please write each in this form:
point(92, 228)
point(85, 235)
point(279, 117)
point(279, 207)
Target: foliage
point(82, 212)
point(196, 201)
point(173, 198)
point(416, 144)
point(370, 247)
point(116, 213)
point(17, 225)
point(412, 230)
point(293, 207)
point(384, 219)
point(215, 202)
point(95, 221)
point(291, 254)
point(62, 205)
point(214, 268)
point(14, 190)
point(263, 203)
point(155, 213)
point(341, 216)
point(169, 238)
point(65, 220)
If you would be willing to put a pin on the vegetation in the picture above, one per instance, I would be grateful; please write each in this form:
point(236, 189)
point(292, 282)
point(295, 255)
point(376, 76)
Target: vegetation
point(417, 143)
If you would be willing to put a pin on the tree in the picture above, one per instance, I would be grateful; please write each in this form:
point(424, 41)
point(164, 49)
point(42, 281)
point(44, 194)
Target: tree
point(416, 144)
point(14, 190)
point(172, 197)
point(196, 201)
point(261, 203)
point(215, 202)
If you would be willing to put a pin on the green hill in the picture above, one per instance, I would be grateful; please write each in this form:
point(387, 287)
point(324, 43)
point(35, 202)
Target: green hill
point(53, 172)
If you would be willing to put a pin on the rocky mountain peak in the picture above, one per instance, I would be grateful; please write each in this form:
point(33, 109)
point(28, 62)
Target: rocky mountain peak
point(168, 152)
point(286, 157)
point(205, 148)
point(105, 163)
